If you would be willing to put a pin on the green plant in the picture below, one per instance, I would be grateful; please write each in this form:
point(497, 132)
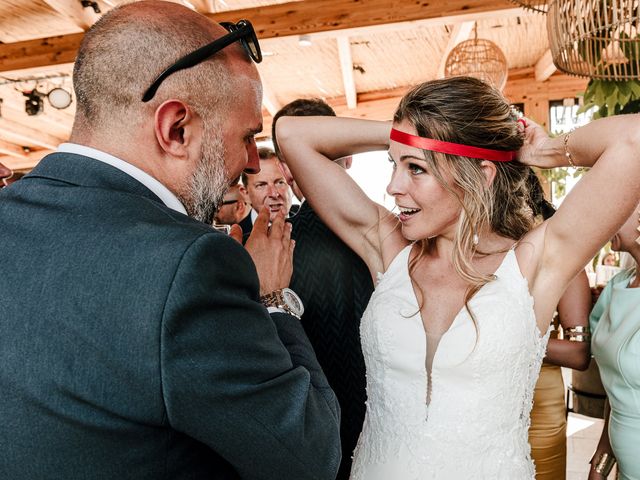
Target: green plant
point(557, 178)
point(611, 97)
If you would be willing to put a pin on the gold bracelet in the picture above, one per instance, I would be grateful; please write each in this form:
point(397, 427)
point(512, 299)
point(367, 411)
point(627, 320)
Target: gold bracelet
point(579, 333)
point(580, 338)
point(604, 464)
point(567, 153)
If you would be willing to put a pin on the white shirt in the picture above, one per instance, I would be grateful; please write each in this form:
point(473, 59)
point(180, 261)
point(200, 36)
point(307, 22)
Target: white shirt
point(162, 192)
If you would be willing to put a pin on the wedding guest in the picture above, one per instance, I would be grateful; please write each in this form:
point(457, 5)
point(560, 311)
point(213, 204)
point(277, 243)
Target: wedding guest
point(457, 327)
point(335, 286)
point(235, 207)
point(266, 188)
point(136, 341)
point(548, 429)
point(615, 323)
point(609, 259)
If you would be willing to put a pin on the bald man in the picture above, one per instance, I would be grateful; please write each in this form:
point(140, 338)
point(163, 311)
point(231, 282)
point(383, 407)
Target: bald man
point(235, 207)
point(136, 341)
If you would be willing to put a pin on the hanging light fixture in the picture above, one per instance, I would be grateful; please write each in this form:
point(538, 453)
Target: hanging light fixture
point(478, 58)
point(305, 40)
point(33, 105)
point(59, 98)
point(540, 6)
point(595, 39)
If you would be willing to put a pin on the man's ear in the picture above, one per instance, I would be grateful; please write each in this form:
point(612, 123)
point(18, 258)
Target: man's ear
point(175, 126)
point(489, 170)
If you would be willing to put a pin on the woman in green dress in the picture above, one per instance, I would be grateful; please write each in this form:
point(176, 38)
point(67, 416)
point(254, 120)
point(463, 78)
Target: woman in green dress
point(615, 327)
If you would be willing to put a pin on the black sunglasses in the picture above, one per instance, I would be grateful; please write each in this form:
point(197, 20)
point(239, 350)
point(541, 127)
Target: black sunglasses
point(228, 202)
point(243, 31)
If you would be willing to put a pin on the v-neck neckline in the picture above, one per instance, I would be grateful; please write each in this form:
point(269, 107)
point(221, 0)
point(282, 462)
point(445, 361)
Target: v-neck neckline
point(462, 309)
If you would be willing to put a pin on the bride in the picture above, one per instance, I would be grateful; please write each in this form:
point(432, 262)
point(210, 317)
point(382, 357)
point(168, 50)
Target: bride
point(456, 329)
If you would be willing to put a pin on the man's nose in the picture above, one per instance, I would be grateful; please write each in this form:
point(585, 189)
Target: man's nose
point(253, 159)
point(273, 191)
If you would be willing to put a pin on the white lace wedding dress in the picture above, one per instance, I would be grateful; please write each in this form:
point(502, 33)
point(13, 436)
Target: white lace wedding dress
point(475, 424)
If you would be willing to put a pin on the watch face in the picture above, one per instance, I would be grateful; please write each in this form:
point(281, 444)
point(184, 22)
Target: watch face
point(293, 301)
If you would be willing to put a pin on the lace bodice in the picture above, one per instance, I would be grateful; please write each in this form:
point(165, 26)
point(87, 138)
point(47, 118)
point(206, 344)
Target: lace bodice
point(475, 425)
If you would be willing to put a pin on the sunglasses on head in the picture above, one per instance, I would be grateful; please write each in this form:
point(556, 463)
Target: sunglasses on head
point(243, 31)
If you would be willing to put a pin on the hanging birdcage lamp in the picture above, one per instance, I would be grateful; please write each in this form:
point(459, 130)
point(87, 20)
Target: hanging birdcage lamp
point(595, 38)
point(539, 6)
point(479, 58)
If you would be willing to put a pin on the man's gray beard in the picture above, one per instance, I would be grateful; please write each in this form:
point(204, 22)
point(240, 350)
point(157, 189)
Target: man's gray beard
point(209, 182)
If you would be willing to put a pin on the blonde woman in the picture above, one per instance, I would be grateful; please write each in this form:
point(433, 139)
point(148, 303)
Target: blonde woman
point(615, 322)
point(457, 327)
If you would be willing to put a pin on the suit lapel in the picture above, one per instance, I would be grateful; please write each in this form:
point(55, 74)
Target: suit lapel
point(88, 172)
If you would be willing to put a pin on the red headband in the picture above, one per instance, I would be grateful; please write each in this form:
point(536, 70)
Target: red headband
point(452, 148)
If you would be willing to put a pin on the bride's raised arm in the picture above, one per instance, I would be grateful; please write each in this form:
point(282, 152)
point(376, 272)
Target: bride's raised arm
point(309, 146)
point(600, 202)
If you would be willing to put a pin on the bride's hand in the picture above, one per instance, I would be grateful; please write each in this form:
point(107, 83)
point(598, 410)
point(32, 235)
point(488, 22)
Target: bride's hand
point(535, 139)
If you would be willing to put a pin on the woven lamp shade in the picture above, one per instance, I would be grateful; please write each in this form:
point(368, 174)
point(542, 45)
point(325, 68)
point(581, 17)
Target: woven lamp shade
point(478, 58)
point(595, 38)
point(540, 6)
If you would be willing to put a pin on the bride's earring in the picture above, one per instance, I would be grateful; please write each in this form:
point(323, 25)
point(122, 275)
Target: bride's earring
point(476, 239)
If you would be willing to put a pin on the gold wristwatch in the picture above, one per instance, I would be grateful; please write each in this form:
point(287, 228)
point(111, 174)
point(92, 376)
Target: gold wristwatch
point(285, 299)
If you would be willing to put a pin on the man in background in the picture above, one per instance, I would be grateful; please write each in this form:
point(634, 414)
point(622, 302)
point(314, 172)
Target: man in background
point(136, 341)
point(267, 188)
point(335, 286)
point(235, 207)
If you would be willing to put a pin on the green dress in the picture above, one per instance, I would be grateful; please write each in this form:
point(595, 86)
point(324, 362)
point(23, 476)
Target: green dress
point(615, 326)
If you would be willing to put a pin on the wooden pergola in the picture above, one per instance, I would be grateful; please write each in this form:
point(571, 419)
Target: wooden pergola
point(364, 55)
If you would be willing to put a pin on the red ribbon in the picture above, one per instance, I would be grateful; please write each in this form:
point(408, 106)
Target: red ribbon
point(452, 148)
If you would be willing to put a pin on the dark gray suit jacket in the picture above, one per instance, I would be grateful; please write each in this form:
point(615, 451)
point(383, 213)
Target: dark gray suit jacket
point(133, 344)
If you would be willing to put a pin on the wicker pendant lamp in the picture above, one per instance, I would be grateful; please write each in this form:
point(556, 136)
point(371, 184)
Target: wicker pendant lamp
point(478, 58)
point(540, 6)
point(595, 38)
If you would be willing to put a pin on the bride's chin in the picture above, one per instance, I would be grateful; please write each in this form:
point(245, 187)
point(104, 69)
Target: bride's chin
point(412, 236)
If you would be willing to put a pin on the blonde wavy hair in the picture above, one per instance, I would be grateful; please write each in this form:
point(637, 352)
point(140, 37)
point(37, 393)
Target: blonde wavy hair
point(468, 111)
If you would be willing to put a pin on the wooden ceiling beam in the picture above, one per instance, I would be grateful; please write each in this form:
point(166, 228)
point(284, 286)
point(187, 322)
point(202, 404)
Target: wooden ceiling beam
point(315, 16)
point(12, 150)
point(27, 162)
point(544, 67)
point(39, 53)
point(269, 101)
point(291, 18)
point(84, 17)
point(202, 6)
point(459, 33)
point(346, 66)
point(20, 135)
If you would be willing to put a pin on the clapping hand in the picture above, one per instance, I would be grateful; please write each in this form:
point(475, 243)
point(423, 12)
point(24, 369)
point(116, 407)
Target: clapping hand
point(271, 248)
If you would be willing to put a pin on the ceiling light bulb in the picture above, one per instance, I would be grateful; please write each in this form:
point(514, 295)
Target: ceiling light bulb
point(59, 98)
point(304, 40)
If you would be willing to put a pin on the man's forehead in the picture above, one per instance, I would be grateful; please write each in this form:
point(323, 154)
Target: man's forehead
point(269, 169)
